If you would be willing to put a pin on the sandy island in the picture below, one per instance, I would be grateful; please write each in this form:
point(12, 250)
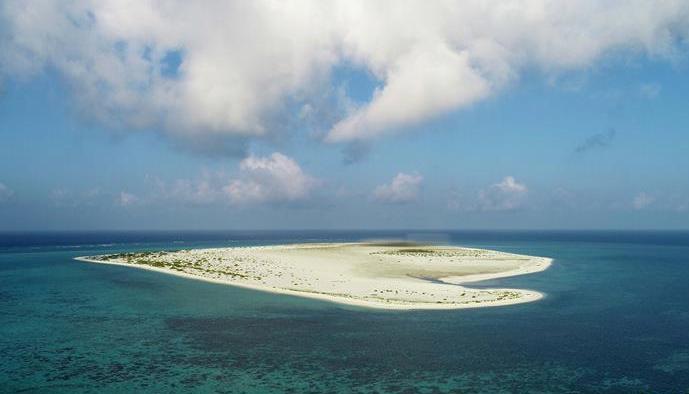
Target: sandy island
point(376, 275)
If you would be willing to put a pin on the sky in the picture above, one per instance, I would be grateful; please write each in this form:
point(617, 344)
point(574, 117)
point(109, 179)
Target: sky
point(344, 115)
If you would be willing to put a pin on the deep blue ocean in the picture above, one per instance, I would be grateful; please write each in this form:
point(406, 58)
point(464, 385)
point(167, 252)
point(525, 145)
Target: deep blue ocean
point(615, 320)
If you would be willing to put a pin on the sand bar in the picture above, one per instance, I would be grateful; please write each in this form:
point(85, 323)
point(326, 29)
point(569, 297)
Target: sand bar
point(375, 275)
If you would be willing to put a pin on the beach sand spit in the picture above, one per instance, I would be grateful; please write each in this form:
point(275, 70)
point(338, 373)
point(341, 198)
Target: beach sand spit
point(374, 275)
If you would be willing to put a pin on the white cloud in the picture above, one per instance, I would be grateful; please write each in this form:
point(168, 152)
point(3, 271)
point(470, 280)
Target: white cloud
point(198, 192)
point(204, 189)
point(275, 178)
point(422, 83)
point(125, 199)
point(404, 188)
point(5, 193)
point(92, 193)
point(62, 197)
point(642, 200)
point(243, 64)
point(503, 196)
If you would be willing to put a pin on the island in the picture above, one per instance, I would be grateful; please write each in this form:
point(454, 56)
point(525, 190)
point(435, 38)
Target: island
point(389, 275)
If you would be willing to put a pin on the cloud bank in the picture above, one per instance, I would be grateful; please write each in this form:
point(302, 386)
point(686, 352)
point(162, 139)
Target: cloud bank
point(5, 193)
point(642, 201)
point(201, 191)
point(275, 178)
point(237, 68)
point(506, 195)
point(125, 199)
point(404, 188)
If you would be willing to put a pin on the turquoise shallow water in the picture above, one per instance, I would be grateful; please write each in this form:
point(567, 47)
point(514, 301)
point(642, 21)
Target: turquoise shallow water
point(615, 319)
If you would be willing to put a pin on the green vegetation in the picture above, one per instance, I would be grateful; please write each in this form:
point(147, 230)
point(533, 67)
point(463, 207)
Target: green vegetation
point(154, 259)
point(393, 243)
point(128, 257)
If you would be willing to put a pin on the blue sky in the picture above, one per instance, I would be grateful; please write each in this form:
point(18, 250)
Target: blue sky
point(596, 141)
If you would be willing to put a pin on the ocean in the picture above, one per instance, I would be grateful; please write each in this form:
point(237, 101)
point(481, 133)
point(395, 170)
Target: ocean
point(615, 319)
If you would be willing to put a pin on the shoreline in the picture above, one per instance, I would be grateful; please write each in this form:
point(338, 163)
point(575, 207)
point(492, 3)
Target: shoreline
point(524, 295)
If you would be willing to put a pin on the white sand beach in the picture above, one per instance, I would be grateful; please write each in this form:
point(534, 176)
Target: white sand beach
point(375, 275)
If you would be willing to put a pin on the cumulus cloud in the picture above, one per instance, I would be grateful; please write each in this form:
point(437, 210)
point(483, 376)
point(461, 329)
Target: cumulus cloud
point(236, 67)
point(5, 193)
point(199, 192)
point(404, 188)
point(63, 197)
point(202, 190)
point(599, 140)
point(506, 195)
point(642, 200)
point(125, 199)
point(275, 178)
point(421, 83)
